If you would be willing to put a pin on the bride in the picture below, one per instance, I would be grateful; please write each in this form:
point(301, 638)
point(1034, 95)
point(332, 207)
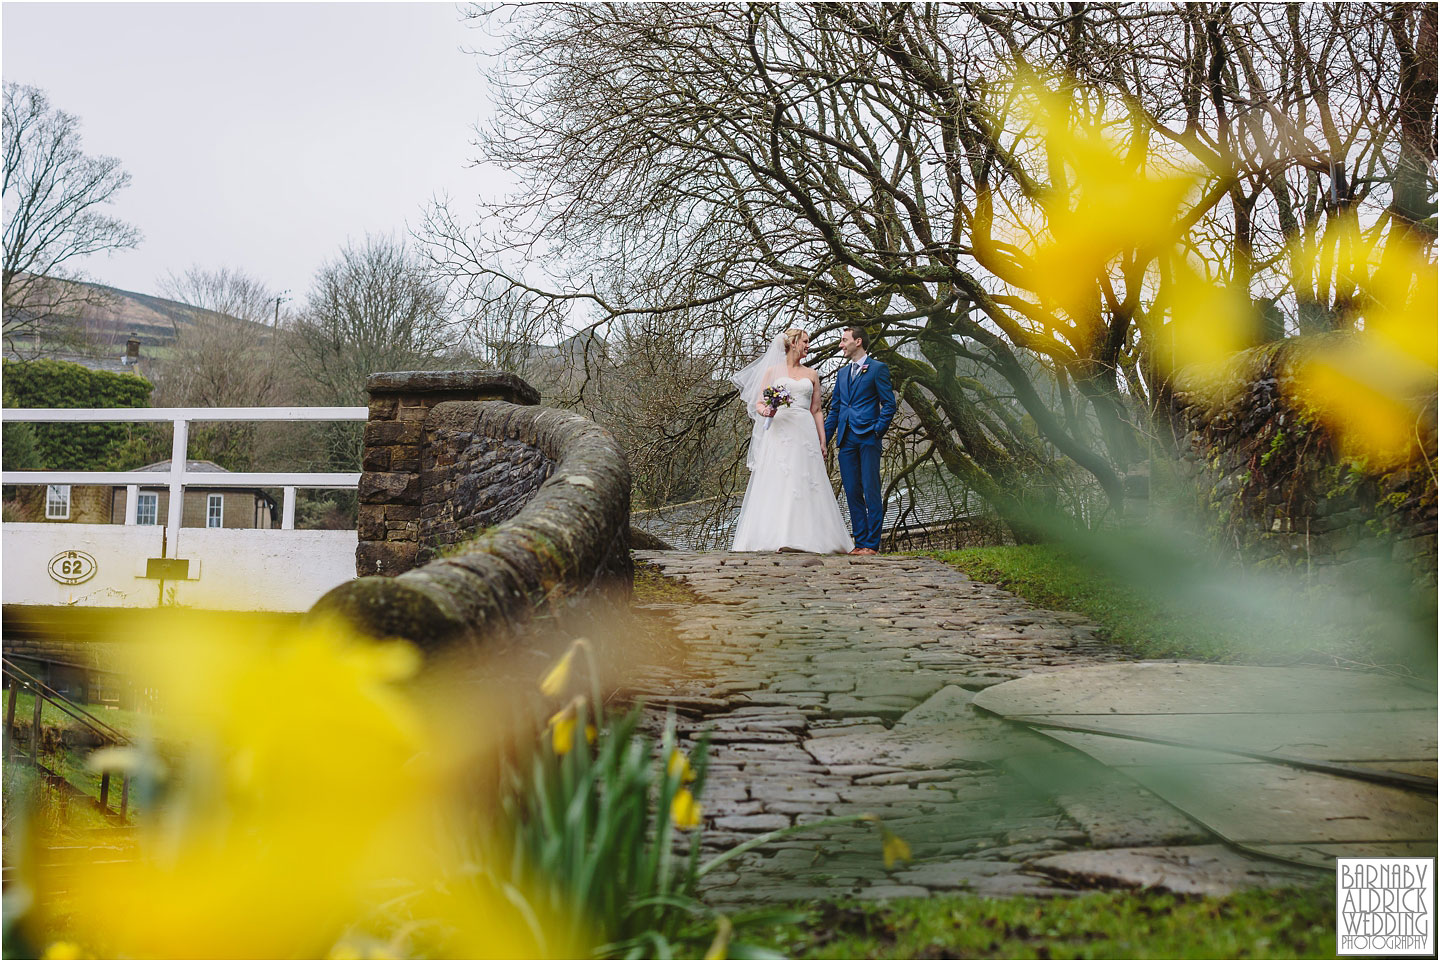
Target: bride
point(789, 502)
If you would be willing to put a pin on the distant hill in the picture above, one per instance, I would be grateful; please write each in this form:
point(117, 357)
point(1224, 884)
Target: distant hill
point(109, 317)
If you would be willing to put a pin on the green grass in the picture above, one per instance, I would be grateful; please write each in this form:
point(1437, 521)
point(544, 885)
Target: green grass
point(69, 763)
point(1139, 620)
point(70, 815)
point(1166, 606)
point(1290, 923)
point(127, 722)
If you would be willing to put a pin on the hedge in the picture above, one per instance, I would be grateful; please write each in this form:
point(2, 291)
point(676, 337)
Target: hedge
point(62, 384)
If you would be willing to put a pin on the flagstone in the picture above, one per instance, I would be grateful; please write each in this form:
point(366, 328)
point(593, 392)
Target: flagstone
point(1188, 870)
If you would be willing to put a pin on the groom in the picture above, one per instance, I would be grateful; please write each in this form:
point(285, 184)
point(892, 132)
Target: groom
point(860, 410)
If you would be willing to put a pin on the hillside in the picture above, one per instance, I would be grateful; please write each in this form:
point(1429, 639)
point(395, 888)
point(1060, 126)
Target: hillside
point(109, 316)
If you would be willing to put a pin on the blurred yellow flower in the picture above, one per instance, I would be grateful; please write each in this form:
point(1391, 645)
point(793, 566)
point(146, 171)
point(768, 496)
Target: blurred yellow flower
point(304, 778)
point(63, 950)
point(558, 677)
point(1370, 387)
point(893, 848)
point(1107, 196)
point(720, 945)
point(679, 766)
point(1209, 323)
point(562, 727)
point(562, 731)
point(685, 811)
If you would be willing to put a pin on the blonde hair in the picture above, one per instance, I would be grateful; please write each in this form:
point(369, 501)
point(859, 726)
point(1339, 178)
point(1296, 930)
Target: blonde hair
point(791, 336)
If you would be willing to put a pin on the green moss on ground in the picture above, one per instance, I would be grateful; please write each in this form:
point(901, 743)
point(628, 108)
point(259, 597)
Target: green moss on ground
point(1283, 924)
point(1191, 609)
point(652, 587)
point(1131, 617)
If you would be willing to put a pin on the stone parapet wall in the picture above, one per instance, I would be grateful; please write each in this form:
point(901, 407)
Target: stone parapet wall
point(476, 474)
point(1271, 480)
point(390, 509)
point(480, 508)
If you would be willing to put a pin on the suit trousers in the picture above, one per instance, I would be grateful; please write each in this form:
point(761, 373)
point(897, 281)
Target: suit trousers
point(859, 461)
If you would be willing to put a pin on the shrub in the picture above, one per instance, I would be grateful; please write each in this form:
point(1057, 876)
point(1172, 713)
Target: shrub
point(61, 384)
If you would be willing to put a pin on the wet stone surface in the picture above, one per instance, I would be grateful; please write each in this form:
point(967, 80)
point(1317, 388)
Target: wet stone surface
point(835, 686)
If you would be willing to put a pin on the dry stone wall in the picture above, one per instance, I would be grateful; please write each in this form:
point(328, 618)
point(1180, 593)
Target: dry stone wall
point(474, 480)
point(1273, 483)
point(479, 508)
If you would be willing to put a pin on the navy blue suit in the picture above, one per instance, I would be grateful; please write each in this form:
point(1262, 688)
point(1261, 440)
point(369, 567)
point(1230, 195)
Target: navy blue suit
point(861, 408)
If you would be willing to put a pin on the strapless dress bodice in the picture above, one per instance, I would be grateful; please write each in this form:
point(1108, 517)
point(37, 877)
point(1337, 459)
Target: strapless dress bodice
point(800, 390)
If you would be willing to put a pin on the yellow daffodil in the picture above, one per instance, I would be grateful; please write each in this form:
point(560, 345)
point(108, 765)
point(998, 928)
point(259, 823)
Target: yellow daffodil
point(562, 727)
point(1369, 388)
point(1108, 196)
point(893, 848)
point(306, 779)
point(562, 730)
point(1209, 323)
point(685, 810)
point(679, 766)
point(557, 677)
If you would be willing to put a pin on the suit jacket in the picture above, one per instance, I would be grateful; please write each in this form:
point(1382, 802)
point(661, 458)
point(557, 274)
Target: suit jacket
point(862, 406)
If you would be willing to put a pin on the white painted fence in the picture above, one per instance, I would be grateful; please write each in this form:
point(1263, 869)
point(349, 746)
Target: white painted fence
point(260, 569)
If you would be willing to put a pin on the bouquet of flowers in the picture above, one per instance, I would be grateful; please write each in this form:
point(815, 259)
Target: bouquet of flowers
point(775, 397)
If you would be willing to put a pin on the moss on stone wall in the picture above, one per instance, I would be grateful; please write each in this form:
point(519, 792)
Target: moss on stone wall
point(547, 522)
point(1273, 483)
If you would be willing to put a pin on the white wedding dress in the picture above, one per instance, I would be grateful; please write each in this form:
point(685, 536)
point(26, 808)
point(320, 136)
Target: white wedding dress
point(789, 502)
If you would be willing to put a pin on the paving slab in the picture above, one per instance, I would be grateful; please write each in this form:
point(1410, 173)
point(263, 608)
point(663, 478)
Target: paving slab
point(1302, 764)
point(1166, 687)
point(1404, 735)
point(1184, 870)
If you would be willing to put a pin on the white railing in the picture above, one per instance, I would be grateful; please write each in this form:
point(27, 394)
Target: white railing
point(179, 477)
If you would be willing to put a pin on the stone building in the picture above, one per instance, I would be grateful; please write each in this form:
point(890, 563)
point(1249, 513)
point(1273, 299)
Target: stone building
point(203, 508)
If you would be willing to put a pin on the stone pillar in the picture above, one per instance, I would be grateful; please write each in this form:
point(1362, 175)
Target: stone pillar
point(400, 401)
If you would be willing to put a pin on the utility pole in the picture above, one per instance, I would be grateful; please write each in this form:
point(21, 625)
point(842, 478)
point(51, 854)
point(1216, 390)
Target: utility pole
point(278, 298)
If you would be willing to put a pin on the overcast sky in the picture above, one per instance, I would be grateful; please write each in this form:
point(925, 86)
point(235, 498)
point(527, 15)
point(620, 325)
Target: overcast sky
point(260, 136)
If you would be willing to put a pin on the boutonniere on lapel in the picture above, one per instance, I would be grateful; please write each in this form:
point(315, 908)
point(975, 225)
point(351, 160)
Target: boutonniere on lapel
point(864, 367)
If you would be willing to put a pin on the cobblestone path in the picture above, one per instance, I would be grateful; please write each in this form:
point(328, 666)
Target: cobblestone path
point(835, 685)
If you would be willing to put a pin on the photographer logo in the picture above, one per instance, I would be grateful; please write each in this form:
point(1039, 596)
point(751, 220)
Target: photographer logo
point(1385, 906)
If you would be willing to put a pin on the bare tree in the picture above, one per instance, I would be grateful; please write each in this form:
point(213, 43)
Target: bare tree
point(225, 291)
point(712, 170)
point(52, 194)
point(373, 308)
point(227, 353)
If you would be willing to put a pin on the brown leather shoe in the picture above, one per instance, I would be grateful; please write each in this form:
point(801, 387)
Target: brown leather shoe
point(866, 551)
point(856, 551)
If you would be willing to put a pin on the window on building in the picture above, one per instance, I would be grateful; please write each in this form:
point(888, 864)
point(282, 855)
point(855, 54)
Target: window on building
point(57, 501)
point(215, 511)
point(147, 508)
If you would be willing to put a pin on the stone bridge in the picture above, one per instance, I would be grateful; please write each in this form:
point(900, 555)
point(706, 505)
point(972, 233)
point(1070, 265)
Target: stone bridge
point(834, 686)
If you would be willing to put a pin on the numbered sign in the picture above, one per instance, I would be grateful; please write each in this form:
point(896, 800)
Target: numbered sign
point(72, 567)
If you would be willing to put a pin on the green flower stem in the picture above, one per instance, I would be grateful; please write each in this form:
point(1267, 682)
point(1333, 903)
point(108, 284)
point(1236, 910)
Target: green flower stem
point(759, 840)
